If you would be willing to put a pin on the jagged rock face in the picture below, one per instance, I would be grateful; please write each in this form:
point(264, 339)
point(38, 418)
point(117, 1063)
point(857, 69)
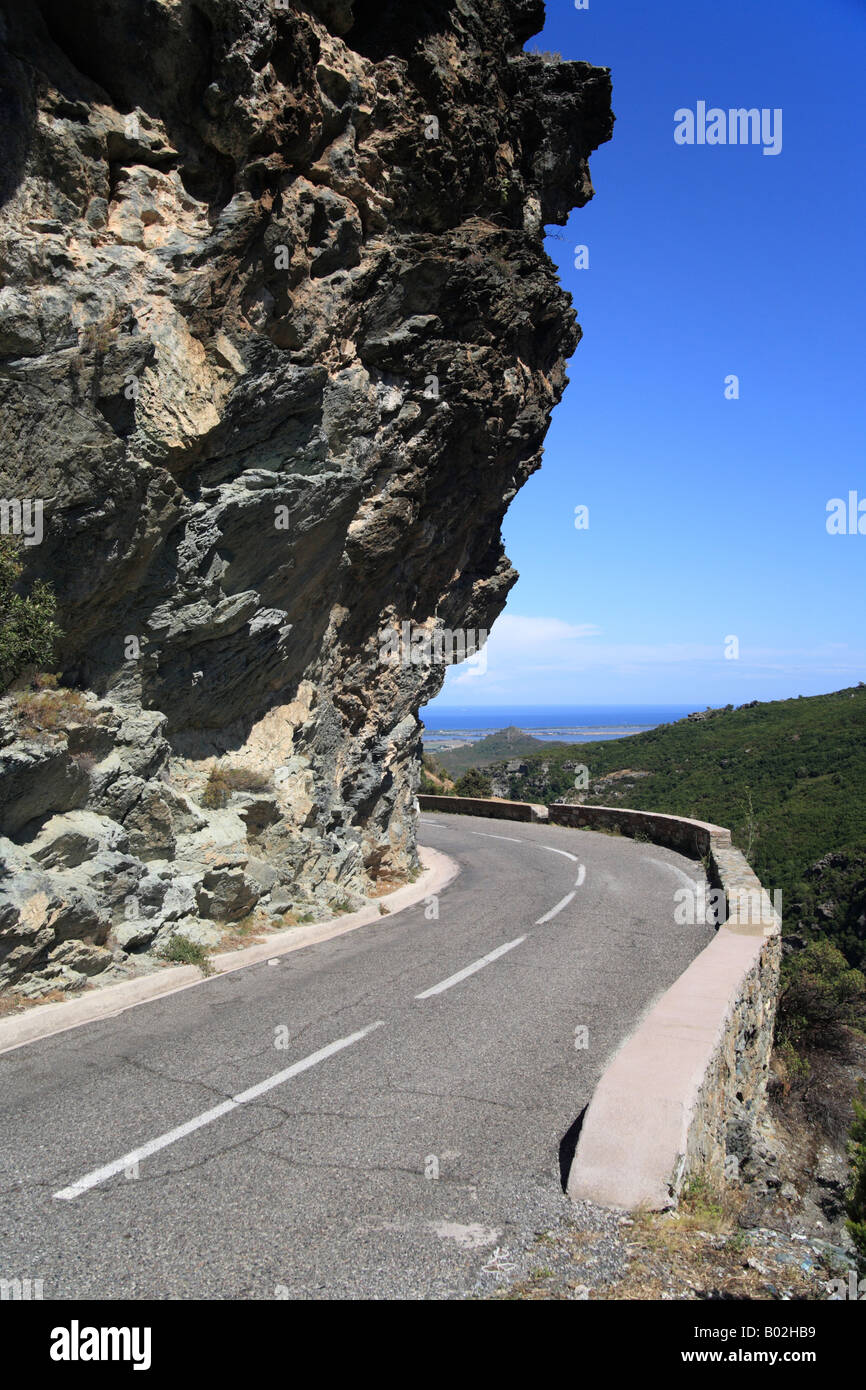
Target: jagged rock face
point(279, 342)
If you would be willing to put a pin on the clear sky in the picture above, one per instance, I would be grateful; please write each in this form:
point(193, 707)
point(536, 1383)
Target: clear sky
point(707, 516)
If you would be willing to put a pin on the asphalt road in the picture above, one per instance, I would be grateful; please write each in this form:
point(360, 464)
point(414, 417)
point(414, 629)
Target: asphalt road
point(402, 1163)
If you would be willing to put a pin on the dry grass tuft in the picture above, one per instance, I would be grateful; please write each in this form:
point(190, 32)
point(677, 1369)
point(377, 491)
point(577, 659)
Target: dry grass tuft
point(49, 711)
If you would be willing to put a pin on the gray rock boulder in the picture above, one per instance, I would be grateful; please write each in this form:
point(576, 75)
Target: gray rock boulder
point(227, 892)
point(38, 911)
point(51, 977)
point(38, 780)
point(66, 841)
point(81, 956)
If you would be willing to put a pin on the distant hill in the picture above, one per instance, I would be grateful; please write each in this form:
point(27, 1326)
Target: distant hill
point(787, 777)
point(505, 743)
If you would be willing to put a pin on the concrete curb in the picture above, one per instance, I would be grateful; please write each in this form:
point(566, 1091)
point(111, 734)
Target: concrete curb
point(46, 1020)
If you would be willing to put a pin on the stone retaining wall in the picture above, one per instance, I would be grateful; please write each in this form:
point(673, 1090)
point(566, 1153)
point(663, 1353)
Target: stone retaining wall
point(476, 806)
point(676, 832)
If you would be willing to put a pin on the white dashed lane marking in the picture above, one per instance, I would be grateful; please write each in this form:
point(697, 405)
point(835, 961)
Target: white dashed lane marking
point(548, 916)
point(119, 1165)
point(512, 839)
point(470, 969)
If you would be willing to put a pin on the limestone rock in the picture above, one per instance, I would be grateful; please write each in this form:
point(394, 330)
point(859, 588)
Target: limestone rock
point(280, 901)
point(27, 908)
point(194, 929)
point(150, 824)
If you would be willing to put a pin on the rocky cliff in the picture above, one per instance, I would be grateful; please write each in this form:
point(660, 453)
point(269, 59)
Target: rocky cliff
point(279, 342)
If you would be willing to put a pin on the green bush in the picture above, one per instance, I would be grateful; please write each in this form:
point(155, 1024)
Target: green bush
point(821, 996)
point(797, 1068)
point(182, 951)
point(474, 783)
point(28, 631)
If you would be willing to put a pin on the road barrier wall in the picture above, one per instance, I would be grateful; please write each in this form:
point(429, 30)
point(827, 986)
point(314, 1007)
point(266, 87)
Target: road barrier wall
point(476, 806)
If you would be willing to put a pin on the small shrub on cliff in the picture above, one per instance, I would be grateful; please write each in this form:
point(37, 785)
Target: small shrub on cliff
point(222, 781)
point(246, 779)
point(821, 998)
point(701, 1199)
point(27, 627)
point(49, 711)
point(217, 792)
point(794, 1068)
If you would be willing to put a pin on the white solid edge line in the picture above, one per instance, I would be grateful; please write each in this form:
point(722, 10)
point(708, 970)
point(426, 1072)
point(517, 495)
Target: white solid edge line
point(100, 1175)
point(551, 850)
point(471, 969)
point(553, 911)
point(581, 875)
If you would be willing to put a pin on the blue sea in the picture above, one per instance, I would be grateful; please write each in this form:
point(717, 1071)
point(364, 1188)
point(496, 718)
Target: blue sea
point(550, 723)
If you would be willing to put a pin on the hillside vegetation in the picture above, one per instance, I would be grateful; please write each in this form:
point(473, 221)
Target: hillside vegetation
point(505, 743)
point(788, 778)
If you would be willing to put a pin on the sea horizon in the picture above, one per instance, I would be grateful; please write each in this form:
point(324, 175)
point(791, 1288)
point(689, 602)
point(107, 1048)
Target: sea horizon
point(550, 723)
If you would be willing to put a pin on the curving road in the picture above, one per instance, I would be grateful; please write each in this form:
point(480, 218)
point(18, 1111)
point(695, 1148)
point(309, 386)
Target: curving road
point(376, 1116)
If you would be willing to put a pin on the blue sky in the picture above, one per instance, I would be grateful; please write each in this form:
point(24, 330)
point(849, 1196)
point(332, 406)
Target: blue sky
point(707, 516)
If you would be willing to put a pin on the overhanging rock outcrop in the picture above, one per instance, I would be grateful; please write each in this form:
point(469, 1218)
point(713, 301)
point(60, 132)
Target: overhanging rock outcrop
point(279, 342)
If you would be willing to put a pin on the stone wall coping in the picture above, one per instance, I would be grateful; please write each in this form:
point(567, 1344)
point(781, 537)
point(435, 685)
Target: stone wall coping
point(636, 1129)
point(628, 811)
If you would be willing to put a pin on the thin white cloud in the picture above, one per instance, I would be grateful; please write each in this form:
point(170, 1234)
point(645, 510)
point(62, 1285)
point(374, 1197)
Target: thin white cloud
point(541, 659)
